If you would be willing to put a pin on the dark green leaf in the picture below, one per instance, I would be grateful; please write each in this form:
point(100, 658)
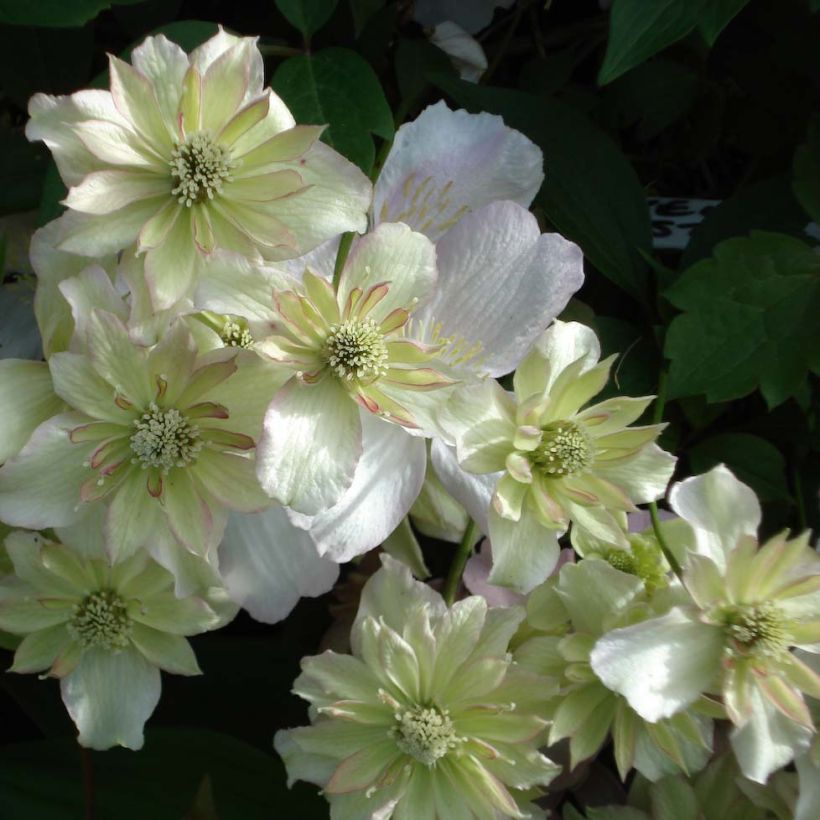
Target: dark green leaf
point(188, 34)
point(806, 181)
point(362, 11)
point(415, 61)
point(22, 168)
point(715, 15)
point(57, 13)
point(750, 320)
point(754, 460)
point(766, 205)
point(640, 28)
point(307, 15)
point(336, 86)
point(44, 779)
point(591, 194)
point(53, 192)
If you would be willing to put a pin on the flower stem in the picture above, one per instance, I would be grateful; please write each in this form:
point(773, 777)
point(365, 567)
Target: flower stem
point(464, 551)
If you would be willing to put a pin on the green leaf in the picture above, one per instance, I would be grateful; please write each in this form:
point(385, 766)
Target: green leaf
point(53, 192)
point(640, 28)
point(754, 461)
point(750, 320)
point(591, 193)
point(307, 15)
point(362, 11)
point(715, 15)
point(54, 13)
point(22, 168)
point(43, 779)
point(416, 60)
point(337, 87)
point(674, 799)
point(806, 171)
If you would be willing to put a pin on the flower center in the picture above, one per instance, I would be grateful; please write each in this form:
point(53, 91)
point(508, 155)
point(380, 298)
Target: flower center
point(756, 629)
point(356, 349)
point(235, 334)
point(200, 166)
point(101, 619)
point(164, 439)
point(564, 449)
point(425, 733)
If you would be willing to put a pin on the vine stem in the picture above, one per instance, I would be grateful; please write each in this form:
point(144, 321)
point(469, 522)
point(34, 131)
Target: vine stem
point(657, 417)
point(463, 553)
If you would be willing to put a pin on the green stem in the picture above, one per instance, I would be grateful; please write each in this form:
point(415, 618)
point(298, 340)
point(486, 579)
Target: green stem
point(341, 256)
point(463, 553)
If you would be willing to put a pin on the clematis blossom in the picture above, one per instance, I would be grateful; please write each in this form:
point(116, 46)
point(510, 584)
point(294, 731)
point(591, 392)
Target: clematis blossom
point(188, 153)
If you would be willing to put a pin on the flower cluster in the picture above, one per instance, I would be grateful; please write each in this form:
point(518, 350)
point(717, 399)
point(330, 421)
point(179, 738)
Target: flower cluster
point(236, 400)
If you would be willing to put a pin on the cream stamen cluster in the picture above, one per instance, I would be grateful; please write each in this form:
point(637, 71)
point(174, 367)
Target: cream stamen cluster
point(200, 166)
point(164, 439)
point(101, 619)
point(234, 335)
point(425, 733)
point(755, 629)
point(356, 349)
point(564, 449)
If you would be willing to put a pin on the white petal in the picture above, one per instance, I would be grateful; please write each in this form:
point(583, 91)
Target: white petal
point(104, 192)
point(109, 696)
point(40, 486)
point(465, 52)
point(719, 508)
point(211, 50)
point(472, 16)
point(310, 445)
point(164, 63)
point(498, 256)
point(644, 477)
point(387, 481)
point(393, 254)
point(91, 289)
point(660, 666)
point(27, 399)
point(267, 564)
point(524, 552)
point(389, 595)
point(446, 163)
point(768, 740)
point(473, 492)
point(808, 800)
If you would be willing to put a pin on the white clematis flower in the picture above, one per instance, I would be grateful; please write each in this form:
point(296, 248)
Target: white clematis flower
point(188, 153)
point(104, 631)
point(750, 607)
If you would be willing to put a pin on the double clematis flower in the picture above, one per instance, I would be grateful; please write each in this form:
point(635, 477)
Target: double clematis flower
point(750, 607)
point(188, 153)
point(105, 631)
point(429, 717)
point(543, 459)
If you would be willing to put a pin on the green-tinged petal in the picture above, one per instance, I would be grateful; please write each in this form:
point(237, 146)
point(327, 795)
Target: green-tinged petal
point(508, 499)
point(643, 477)
point(243, 120)
point(418, 802)
point(38, 650)
point(474, 405)
point(164, 64)
point(135, 99)
point(340, 738)
point(575, 386)
point(40, 486)
point(79, 384)
point(456, 638)
point(192, 520)
point(114, 144)
point(477, 680)
point(231, 479)
point(225, 84)
point(132, 518)
point(27, 551)
point(172, 653)
point(704, 581)
point(598, 522)
point(177, 616)
point(285, 146)
point(264, 187)
point(482, 791)
point(169, 267)
point(311, 443)
point(104, 192)
point(363, 768)
point(338, 676)
point(661, 665)
point(522, 768)
point(524, 552)
point(613, 415)
point(27, 399)
point(302, 765)
point(23, 614)
point(109, 696)
point(400, 664)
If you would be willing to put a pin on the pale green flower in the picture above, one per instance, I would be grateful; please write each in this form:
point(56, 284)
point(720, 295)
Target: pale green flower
point(568, 615)
point(553, 460)
point(750, 606)
point(188, 153)
point(428, 718)
point(105, 631)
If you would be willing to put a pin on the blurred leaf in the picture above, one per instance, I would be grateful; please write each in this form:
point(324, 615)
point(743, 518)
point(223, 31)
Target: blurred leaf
point(806, 171)
point(415, 61)
point(546, 75)
point(635, 372)
point(750, 320)
point(591, 193)
point(754, 460)
point(307, 15)
point(52, 193)
point(336, 86)
point(715, 15)
point(362, 11)
point(57, 13)
point(188, 34)
point(204, 807)
point(766, 205)
point(43, 779)
point(640, 28)
point(22, 168)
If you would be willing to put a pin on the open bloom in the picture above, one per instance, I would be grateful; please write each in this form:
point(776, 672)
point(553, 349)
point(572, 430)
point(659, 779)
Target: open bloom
point(550, 459)
point(189, 153)
point(429, 717)
point(161, 435)
point(104, 631)
point(750, 606)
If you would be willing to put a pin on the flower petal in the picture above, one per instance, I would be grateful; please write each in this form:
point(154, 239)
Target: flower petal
point(172, 653)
